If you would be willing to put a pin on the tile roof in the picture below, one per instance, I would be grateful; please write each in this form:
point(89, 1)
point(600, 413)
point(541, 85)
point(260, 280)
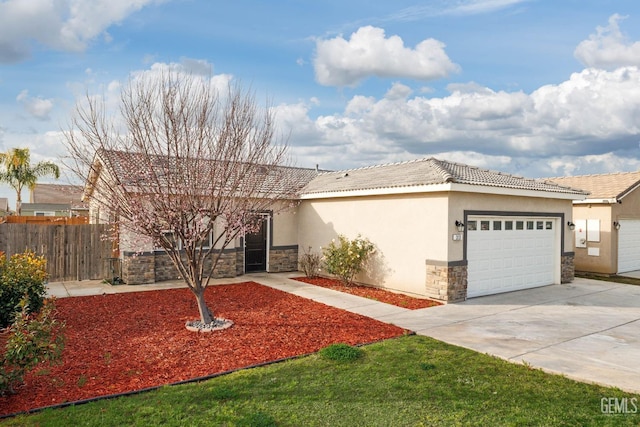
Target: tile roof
point(58, 193)
point(603, 186)
point(421, 172)
point(129, 167)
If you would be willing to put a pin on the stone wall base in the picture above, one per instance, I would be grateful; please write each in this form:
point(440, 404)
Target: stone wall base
point(283, 259)
point(151, 267)
point(568, 268)
point(446, 282)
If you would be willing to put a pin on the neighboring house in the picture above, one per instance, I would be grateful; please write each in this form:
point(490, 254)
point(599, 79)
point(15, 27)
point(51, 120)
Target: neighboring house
point(4, 206)
point(55, 200)
point(607, 223)
point(442, 230)
point(45, 209)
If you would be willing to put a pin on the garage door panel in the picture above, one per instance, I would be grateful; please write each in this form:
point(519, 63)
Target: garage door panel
point(519, 258)
point(628, 245)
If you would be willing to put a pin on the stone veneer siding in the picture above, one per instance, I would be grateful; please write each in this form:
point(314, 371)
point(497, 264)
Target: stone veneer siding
point(151, 267)
point(568, 267)
point(239, 261)
point(446, 281)
point(138, 269)
point(283, 259)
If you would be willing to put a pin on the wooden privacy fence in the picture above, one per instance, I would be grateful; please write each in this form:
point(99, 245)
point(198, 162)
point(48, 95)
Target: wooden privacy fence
point(73, 252)
point(48, 220)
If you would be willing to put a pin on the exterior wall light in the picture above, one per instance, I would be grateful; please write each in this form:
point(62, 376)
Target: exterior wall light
point(460, 226)
point(616, 225)
point(571, 226)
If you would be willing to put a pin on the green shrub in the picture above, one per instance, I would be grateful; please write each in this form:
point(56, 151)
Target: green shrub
point(310, 263)
point(33, 338)
point(341, 352)
point(22, 274)
point(346, 258)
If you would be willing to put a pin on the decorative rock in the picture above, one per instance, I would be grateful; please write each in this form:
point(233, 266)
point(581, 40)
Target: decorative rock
point(218, 324)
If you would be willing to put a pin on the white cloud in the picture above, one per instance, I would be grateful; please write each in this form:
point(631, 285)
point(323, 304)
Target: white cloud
point(608, 48)
point(585, 123)
point(398, 91)
point(195, 67)
point(475, 7)
point(37, 107)
point(67, 25)
point(457, 8)
point(368, 52)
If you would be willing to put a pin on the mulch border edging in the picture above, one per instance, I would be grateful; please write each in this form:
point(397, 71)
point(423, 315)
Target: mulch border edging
point(188, 381)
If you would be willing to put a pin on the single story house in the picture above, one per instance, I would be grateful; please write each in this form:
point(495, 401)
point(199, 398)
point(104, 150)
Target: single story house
point(442, 230)
point(607, 222)
point(55, 200)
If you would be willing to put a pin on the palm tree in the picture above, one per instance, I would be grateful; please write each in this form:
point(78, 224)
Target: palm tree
point(18, 172)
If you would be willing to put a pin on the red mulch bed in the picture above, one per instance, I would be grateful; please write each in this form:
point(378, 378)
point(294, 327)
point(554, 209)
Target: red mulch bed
point(130, 341)
point(370, 292)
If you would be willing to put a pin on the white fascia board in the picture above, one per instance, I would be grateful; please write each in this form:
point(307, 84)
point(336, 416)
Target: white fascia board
point(611, 201)
point(503, 191)
point(378, 191)
point(435, 188)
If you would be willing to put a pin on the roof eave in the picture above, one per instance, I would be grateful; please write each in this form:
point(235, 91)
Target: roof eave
point(521, 192)
point(629, 190)
point(444, 187)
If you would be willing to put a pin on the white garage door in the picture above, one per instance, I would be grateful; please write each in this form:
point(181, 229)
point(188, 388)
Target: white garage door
point(511, 253)
point(629, 245)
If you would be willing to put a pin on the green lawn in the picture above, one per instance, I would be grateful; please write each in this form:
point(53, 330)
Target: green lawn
point(409, 381)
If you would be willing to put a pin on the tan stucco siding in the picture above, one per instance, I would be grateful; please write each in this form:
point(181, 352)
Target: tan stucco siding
point(406, 229)
point(460, 202)
point(284, 227)
point(604, 262)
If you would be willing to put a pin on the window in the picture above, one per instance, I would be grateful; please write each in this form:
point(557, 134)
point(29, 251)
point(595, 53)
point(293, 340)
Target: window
point(539, 225)
point(529, 225)
point(497, 225)
point(207, 241)
point(519, 225)
point(45, 213)
point(508, 225)
point(168, 235)
point(549, 225)
point(484, 225)
point(472, 225)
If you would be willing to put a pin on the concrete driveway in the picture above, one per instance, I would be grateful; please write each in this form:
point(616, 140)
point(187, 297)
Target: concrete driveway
point(588, 330)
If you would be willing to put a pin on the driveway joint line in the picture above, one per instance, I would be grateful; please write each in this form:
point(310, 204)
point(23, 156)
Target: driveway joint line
point(576, 338)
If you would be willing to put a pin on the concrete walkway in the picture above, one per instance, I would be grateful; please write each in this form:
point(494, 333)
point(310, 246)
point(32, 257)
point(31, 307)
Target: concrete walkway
point(588, 330)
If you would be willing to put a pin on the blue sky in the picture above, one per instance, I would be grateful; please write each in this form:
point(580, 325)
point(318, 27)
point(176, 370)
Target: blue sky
point(530, 87)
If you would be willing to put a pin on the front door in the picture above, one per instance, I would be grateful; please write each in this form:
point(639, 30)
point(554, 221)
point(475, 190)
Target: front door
point(255, 252)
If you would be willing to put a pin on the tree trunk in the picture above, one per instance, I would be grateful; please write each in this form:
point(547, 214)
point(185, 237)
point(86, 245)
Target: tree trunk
point(18, 204)
point(205, 314)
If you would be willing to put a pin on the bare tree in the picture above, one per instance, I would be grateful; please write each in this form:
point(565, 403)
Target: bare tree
point(179, 159)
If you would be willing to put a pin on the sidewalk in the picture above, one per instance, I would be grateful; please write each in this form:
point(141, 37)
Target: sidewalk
point(588, 330)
